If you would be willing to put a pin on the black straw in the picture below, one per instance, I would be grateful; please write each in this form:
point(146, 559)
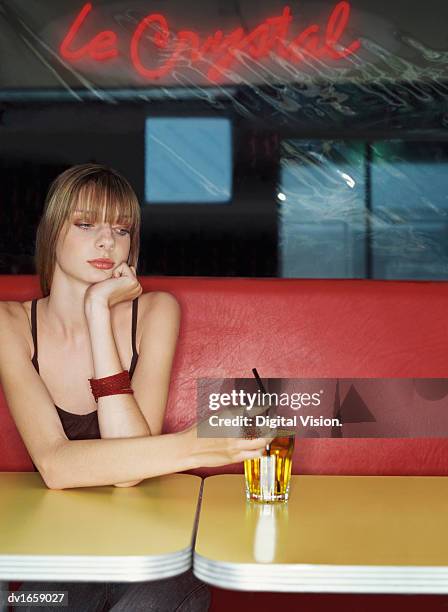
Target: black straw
point(263, 390)
point(258, 379)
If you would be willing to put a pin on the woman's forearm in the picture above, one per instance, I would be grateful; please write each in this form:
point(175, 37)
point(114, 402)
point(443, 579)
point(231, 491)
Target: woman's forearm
point(90, 463)
point(119, 416)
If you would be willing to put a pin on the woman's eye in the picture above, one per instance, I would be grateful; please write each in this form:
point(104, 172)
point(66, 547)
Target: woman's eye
point(122, 231)
point(84, 225)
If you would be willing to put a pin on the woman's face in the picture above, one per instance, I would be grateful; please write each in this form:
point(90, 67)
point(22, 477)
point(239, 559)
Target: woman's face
point(86, 242)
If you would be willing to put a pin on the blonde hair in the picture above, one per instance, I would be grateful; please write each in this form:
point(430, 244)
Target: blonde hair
point(94, 189)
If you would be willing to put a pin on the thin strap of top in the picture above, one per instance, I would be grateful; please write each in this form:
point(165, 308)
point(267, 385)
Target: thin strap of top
point(35, 361)
point(133, 336)
point(34, 332)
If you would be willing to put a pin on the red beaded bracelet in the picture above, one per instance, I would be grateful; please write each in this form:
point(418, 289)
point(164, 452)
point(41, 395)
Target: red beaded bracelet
point(111, 385)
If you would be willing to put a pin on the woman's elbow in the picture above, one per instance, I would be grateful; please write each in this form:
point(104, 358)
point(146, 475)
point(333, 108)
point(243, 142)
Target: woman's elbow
point(52, 482)
point(50, 475)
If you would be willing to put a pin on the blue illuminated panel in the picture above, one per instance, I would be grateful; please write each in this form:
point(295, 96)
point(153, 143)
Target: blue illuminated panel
point(188, 160)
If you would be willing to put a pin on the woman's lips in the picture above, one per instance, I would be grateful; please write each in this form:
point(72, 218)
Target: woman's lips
point(101, 265)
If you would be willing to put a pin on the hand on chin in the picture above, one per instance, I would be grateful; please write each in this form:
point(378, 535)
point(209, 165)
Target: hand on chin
point(121, 285)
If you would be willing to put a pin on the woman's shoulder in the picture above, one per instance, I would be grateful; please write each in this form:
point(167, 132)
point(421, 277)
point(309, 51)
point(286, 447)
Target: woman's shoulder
point(15, 311)
point(15, 320)
point(156, 310)
point(155, 303)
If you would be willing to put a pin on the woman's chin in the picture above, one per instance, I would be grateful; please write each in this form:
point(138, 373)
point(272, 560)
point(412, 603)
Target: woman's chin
point(101, 271)
point(96, 276)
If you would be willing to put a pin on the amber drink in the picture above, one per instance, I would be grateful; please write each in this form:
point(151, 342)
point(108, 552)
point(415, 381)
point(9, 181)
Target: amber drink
point(268, 477)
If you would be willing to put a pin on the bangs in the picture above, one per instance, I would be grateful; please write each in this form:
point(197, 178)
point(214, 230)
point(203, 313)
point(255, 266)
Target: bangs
point(106, 199)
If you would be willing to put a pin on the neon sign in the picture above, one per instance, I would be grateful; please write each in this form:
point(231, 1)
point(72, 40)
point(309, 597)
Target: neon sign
point(220, 51)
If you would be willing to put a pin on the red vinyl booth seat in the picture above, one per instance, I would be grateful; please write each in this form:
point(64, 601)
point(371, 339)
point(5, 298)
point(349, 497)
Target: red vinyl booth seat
point(294, 328)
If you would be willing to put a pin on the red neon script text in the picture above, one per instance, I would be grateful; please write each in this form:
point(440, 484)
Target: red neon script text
point(220, 51)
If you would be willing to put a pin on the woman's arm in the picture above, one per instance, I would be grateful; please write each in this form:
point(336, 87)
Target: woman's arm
point(90, 463)
point(123, 415)
point(119, 416)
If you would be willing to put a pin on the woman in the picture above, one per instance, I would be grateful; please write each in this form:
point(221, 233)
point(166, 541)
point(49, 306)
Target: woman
point(86, 369)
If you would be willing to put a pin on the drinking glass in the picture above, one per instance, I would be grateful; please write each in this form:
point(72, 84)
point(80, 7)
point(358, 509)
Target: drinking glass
point(268, 477)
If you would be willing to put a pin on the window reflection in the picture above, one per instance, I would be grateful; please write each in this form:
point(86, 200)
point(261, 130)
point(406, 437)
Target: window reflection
point(352, 209)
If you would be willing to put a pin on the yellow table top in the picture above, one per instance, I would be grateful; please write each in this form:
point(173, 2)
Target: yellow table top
point(329, 524)
point(153, 521)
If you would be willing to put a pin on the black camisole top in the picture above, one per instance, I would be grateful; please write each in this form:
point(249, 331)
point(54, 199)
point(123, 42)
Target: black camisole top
point(83, 426)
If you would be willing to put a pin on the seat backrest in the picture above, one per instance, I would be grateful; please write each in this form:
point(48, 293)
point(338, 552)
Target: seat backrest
point(295, 329)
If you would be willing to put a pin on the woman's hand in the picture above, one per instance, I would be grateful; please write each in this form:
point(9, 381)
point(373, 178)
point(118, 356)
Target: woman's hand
point(122, 286)
point(213, 452)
